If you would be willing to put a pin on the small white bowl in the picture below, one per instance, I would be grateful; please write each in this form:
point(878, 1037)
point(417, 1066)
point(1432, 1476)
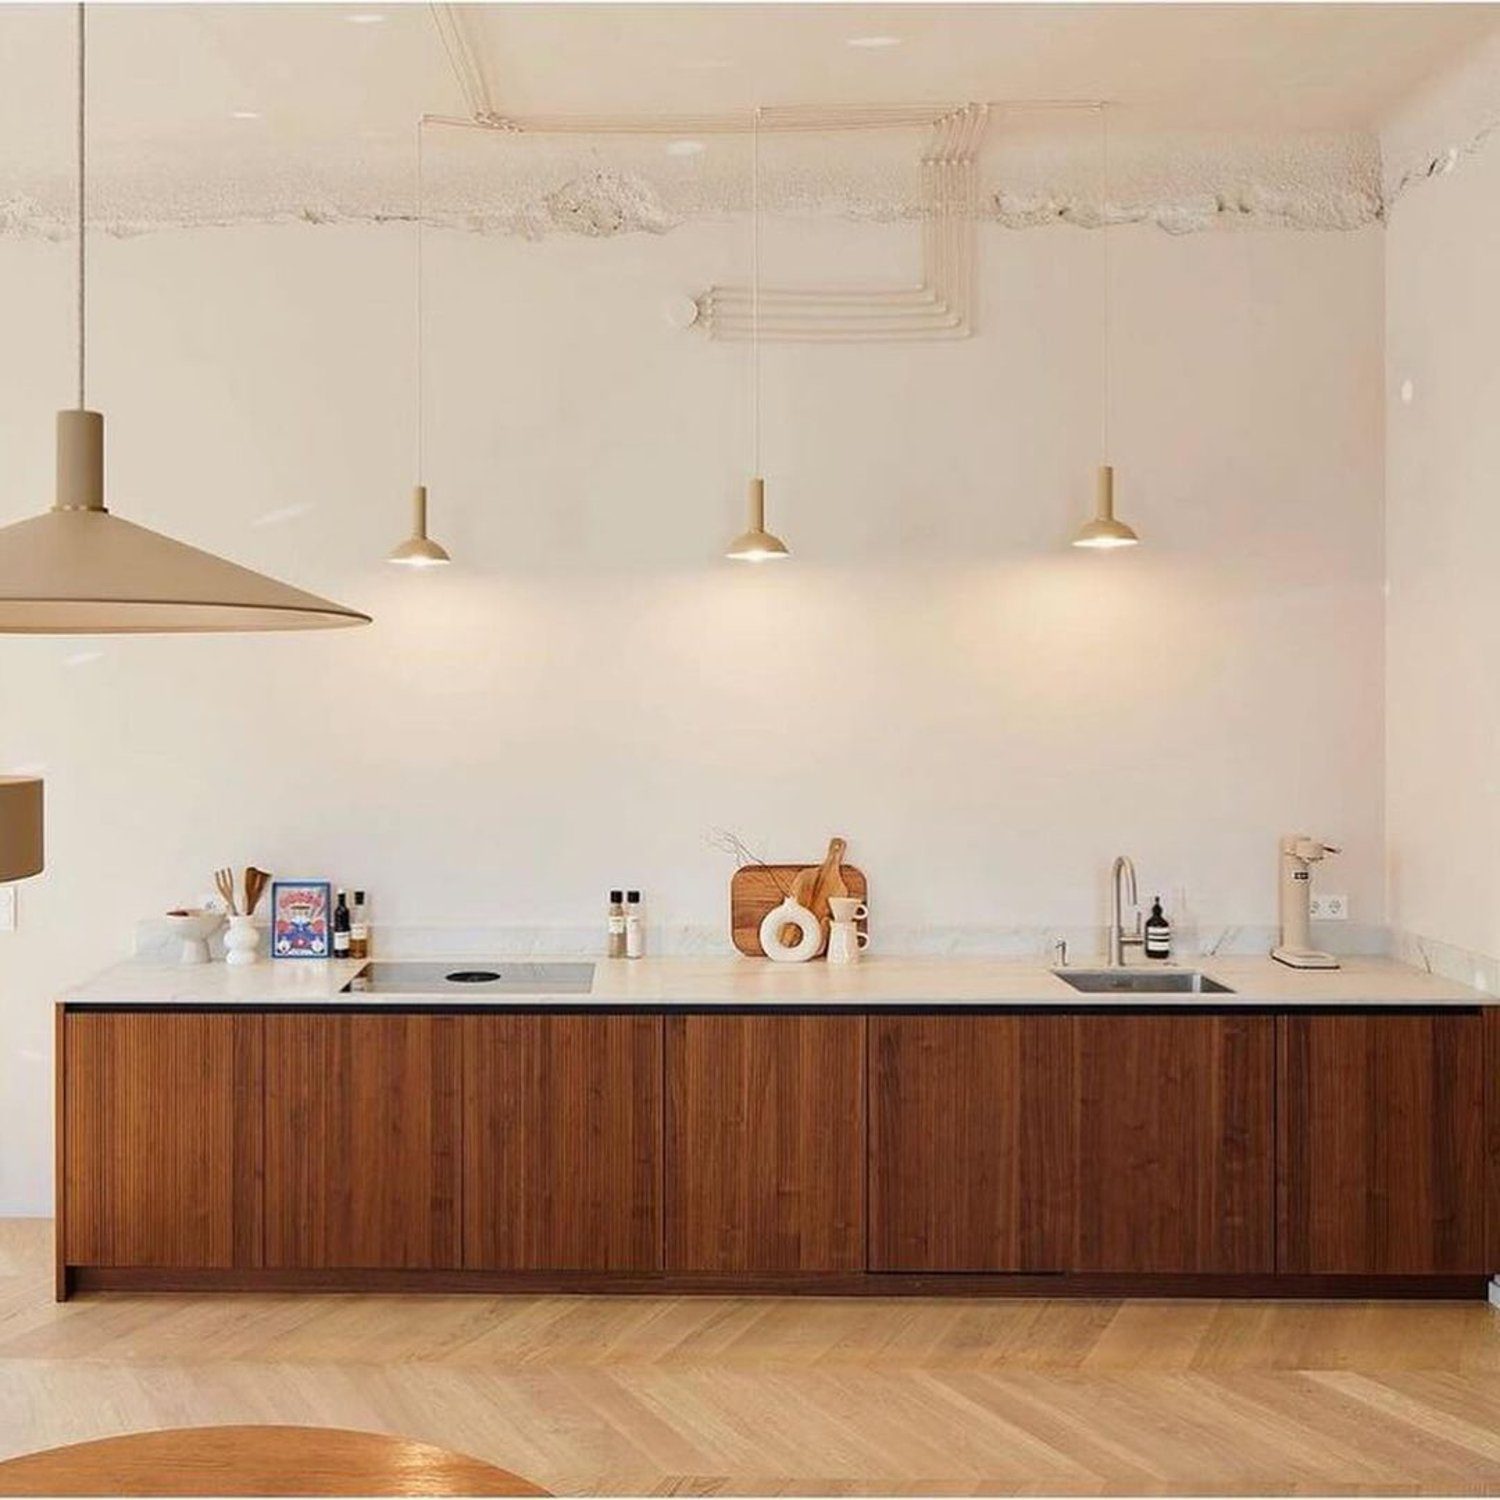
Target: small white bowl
point(194, 927)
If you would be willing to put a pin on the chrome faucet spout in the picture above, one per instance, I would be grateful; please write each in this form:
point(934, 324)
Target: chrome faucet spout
point(1119, 939)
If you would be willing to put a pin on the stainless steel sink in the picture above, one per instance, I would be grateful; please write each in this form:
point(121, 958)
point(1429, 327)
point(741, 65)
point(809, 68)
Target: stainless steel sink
point(1142, 982)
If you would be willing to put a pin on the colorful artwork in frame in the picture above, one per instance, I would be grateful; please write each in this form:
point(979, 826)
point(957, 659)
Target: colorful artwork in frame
point(300, 916)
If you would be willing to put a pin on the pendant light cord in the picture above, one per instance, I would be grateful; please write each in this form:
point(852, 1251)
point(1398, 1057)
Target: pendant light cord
point(421, 210)
point(82, 238)
point(1106, 310)
point(755, 292)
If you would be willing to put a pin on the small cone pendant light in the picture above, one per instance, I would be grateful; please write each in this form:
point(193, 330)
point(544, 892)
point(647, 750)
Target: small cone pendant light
point(78, 570)
point(419, 550)
point(756, 544)
point(1105, 531)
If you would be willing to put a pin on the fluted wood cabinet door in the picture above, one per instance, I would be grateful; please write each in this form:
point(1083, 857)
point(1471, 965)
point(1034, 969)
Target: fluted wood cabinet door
point(765, 1148)
point(363, 1132)
point(1381, 1143)
point(1176, 1143)
point(971, 1143)
point(160, 1149)
point(562, 1142)
point(1492, 1133)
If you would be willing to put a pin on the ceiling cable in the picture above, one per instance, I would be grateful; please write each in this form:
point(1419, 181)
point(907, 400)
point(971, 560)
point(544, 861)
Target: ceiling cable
point(1106, 301)
point(420, 381)
point(82, 237)
point(755, 292)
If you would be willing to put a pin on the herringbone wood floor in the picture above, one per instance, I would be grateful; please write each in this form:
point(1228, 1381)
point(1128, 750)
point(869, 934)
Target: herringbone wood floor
point(775, 1396)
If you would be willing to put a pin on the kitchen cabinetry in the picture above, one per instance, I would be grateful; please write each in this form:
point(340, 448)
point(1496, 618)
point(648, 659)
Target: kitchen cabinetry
point(1107, 1149)
point(362, 1140)
point(765, 1143)
point(971, 1142)
point(1175, 1143)
point(159, 1143)
point(1382, 1159)
point(562, 1142)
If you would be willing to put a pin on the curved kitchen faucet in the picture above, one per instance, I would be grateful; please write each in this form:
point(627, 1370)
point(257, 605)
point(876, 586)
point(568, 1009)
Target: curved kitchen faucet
point(1119, 939)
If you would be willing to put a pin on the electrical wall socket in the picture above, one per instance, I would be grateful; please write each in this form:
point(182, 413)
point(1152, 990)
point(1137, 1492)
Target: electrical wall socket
point(7, 908)
point(1330, 908)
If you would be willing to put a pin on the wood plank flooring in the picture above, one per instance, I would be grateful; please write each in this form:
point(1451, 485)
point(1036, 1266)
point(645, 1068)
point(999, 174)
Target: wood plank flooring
point(780, 1396)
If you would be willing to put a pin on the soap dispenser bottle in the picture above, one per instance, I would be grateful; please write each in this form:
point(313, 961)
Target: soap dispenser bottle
point(1158, 933)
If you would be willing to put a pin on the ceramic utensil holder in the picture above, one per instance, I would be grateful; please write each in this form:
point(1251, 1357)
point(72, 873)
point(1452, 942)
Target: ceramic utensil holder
point(241, 941)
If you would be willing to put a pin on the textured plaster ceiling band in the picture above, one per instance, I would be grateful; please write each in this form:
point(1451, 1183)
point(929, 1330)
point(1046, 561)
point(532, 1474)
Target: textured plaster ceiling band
point(601, 185)
point(539, 186)
point(1452, 119)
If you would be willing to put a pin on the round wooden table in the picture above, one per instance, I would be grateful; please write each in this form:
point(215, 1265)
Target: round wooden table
point(256, 1461)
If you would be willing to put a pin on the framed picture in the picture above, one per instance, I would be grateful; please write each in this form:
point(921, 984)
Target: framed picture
point(301, 917)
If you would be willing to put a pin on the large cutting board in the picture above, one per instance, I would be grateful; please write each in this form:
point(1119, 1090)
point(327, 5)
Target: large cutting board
point(753, 892)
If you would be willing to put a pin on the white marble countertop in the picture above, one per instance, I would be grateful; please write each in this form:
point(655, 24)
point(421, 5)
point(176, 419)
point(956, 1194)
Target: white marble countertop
point(735, 981)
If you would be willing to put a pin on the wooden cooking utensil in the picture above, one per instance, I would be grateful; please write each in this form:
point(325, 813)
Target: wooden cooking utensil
point(255, 885)
point(755, 889)
point(224, 880)
point(815, 885)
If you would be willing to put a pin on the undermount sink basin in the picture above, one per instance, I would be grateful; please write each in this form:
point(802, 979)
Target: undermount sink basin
point(1142, 982)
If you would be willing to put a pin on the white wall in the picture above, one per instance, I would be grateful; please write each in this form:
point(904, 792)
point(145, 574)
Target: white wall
point(988, 715)
point(1443, 487)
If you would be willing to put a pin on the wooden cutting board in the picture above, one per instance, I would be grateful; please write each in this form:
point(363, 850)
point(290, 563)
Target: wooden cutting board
point(753, 892)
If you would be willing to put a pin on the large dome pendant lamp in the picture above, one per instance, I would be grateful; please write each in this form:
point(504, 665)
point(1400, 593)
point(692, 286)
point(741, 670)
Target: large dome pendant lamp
point(419, 550)
point(756, 544)
point(1106, 529)
point(78, 570)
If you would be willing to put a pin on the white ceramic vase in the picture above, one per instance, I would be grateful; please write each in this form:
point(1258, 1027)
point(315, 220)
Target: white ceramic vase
point(241, 941)
point(794, 914)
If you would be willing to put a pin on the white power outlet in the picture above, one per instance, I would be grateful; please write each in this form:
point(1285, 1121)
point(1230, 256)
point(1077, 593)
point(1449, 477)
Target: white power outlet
point(1330, 908)
point(7, 908)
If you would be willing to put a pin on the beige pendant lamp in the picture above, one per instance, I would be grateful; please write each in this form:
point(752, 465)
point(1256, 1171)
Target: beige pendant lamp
point(756, 544)
point(419, 550)
point(1106, 530)
point(78, 570)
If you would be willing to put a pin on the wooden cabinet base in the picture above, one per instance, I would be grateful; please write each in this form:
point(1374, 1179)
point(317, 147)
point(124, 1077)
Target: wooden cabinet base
point(855, 1284)
point(1146, 1151)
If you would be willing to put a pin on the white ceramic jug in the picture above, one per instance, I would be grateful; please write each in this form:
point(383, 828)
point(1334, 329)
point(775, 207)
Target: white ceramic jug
point(845, 943)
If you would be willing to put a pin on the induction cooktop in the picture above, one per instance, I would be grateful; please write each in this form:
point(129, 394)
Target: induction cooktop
point(473, 977)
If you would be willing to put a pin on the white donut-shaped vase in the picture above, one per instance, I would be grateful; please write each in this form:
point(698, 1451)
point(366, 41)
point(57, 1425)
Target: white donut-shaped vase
point(810, 933)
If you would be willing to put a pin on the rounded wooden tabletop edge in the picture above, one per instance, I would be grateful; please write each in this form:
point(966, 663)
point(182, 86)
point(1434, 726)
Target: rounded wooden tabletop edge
point(256, 1459)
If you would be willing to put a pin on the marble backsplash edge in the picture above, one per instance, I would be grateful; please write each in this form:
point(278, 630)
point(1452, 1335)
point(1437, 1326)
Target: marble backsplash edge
point(1086, 945)
point(1461, 965)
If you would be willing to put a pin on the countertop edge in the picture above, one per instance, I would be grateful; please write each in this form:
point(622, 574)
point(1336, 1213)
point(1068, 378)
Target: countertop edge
point(884, 984)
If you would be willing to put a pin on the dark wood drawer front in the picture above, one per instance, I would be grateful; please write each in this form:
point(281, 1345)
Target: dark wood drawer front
point(563, 1142)
point(1175, 1143)
point(362, 1140)
point(765, 1143)
point(1381, 1143)
point(161, 1140)
point(971, 1143)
